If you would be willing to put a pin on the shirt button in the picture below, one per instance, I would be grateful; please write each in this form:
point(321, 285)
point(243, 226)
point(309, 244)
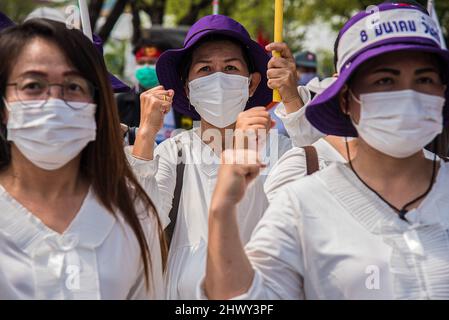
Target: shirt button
point(68, 242)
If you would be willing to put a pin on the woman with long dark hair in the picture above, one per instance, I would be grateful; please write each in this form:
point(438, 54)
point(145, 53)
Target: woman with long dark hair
point(74, 221)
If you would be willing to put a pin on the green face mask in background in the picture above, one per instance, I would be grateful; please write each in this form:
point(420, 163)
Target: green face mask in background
point(147, 77)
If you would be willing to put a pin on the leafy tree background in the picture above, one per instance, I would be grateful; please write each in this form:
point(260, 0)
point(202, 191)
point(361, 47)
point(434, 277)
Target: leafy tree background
point(256, 15)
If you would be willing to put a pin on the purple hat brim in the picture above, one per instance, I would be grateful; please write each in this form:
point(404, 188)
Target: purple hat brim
point(5, 22)
point(117, 85)
point(324, 111)
point(167, 69)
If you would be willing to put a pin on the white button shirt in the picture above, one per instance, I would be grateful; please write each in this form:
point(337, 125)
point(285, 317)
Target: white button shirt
point(298, 127)
point(328, 236)
point(187, 257)
point(97, 257)
point(292, 166)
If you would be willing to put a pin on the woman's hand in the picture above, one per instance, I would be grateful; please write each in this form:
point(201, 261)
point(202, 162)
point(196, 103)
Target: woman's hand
point(238, 168)
point(282, 75)
point(154, 105)
point(251, 128)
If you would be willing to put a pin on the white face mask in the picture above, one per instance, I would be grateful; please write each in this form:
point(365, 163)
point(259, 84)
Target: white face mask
point(219, 97)
point(399, 123)
point(52, 135)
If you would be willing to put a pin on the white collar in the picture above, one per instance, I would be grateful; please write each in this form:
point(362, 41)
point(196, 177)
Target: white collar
point(374, 214)
point(326, 151)
point(90, 227)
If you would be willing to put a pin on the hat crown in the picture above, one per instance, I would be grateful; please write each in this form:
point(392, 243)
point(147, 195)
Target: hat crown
point(378, 8)
point(388, 23)
point(215, 22)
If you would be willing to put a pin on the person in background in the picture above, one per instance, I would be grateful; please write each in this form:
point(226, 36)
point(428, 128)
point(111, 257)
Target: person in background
point(147, 53)
point(306, 67)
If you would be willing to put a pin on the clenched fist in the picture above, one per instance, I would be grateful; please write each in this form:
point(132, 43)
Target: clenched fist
point(252, 128)
point(154, 105)
point(238, 168)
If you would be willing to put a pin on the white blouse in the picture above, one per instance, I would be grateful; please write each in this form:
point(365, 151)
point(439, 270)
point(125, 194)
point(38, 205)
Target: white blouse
point(187, 256)
point(292, 166)
point(328, 236)
point(97, 257)
point(298, 127)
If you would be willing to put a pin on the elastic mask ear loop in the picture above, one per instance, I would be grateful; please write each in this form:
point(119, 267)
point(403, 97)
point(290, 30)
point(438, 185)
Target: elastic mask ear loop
point(6, 104)
point(348, 154)
point(352, 95)
point(355, 98)
point(250, 78)
point(4, 131)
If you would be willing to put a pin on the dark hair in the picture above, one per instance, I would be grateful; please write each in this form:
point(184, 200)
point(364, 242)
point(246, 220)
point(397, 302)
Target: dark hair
point(186, 61)
point(103, 161)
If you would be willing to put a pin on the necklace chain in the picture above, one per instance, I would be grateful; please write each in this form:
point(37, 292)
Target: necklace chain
point(402, 212)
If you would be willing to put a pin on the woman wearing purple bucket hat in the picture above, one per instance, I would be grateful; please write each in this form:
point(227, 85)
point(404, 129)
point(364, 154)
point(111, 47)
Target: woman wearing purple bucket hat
point(376, 228)
point(218, 74)
point(293, 165)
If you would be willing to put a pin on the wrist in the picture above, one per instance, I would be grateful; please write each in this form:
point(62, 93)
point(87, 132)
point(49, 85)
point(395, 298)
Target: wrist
point(144, 144)
point(147, 132)
point(222, 208)
point(294, 104)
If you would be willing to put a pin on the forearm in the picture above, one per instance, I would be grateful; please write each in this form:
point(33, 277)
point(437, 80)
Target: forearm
point(228, 272)
point(144, 144)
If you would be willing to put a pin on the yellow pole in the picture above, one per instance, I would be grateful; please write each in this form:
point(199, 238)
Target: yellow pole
point(278, 26)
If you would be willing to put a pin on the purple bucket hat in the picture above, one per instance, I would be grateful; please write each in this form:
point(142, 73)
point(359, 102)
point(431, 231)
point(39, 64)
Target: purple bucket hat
point(117, 85)
point(393, 27)
point(168, 65)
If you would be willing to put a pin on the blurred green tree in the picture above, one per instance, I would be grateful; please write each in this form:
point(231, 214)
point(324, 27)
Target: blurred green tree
point(256, 15)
